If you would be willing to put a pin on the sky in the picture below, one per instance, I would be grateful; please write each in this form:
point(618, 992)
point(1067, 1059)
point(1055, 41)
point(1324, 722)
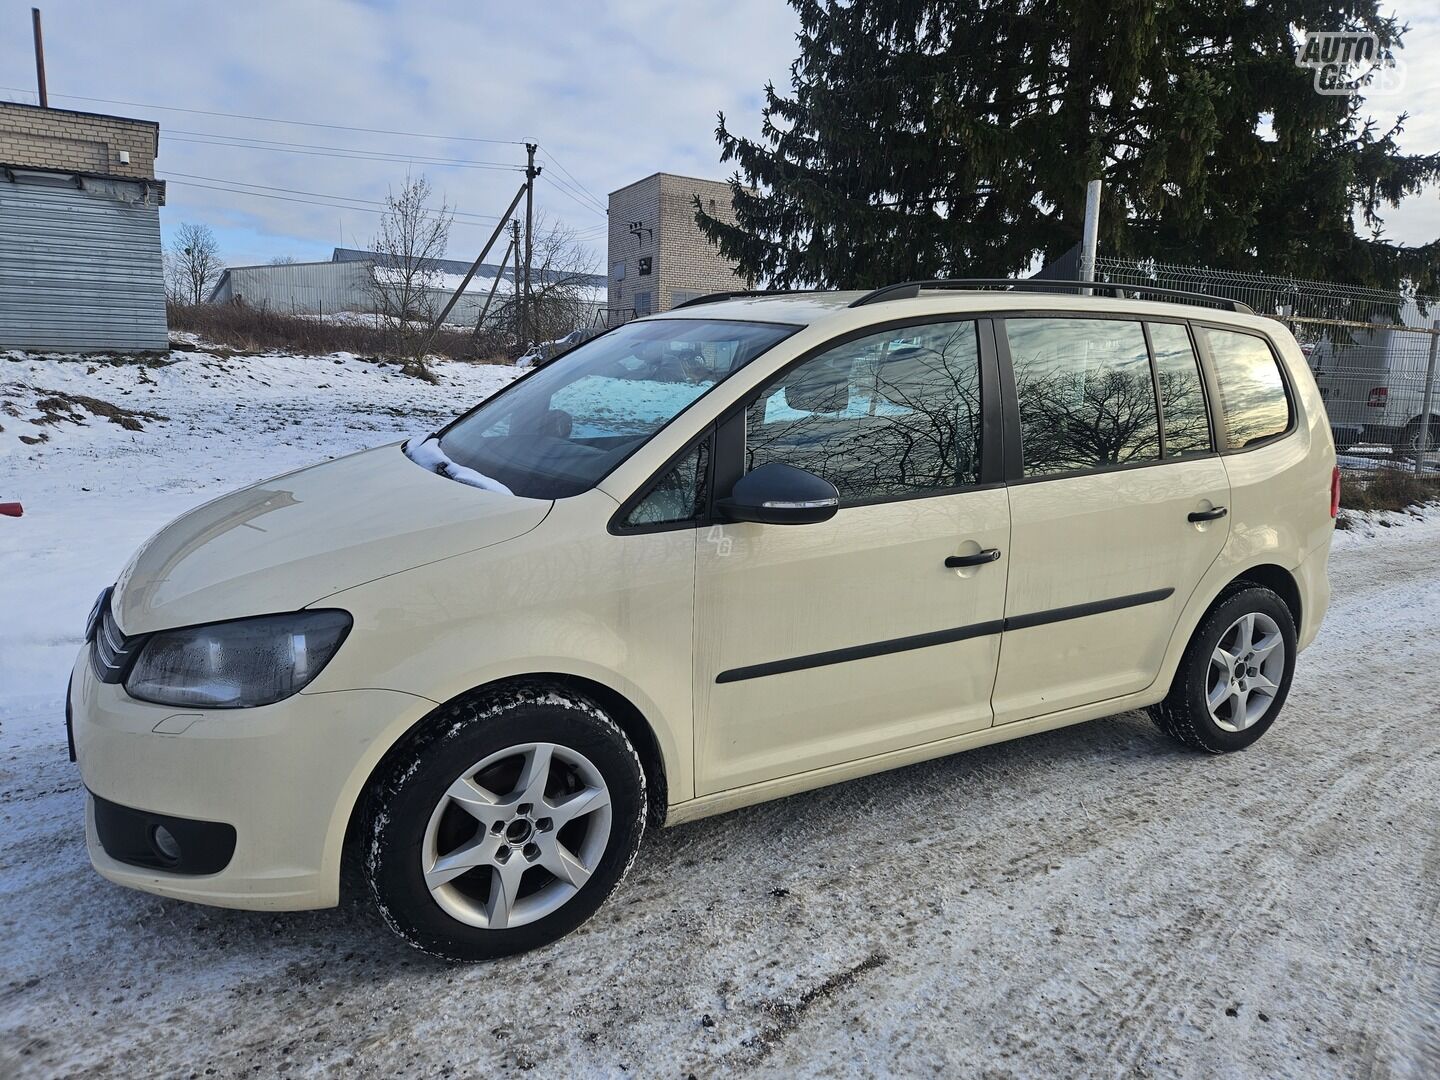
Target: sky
point(612, 92)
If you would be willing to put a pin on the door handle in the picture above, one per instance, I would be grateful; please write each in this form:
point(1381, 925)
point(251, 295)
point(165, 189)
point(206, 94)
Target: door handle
point(1209, 515)
point(978, 559)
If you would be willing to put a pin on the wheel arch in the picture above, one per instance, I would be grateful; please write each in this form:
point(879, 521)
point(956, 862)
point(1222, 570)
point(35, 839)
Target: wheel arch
point(1275, 578)
point(631, 720)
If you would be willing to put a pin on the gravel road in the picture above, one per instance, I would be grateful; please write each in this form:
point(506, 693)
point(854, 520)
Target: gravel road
point(1094, 901)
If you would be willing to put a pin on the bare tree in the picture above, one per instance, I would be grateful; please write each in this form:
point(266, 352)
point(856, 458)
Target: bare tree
point(560, 280)
point(283, 260)
point(561, 275)
point(413, 236)
point(192, 263)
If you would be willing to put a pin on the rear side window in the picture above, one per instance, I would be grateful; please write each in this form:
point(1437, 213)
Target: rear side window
point(888, 415)
point(1253, 402)
point(1182, 395)
point(1087, 399)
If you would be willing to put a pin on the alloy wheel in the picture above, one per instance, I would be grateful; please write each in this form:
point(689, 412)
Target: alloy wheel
point(516, 835)
point(1246, 670)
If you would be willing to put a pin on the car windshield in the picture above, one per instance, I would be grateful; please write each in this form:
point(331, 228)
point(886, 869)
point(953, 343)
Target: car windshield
point(559, 431)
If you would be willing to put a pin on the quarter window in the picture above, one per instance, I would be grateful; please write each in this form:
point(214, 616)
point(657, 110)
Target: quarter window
point(891, 414)
point(1087, 399)
point(1252, 391)
point(1182, 395)
point(678, 496)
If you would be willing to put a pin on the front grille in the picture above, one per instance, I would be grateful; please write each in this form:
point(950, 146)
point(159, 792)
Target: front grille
point(112, 653)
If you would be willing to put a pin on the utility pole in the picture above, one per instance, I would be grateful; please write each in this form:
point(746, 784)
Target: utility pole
point(494, 286)
point(465, 281)
point(1091, 232)
point(1424, 435)
point(515, 290)
point(531, 172)
point(39, 57)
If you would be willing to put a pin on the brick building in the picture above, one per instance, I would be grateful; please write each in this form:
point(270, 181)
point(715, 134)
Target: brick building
point(658, 257)
point(80, 254)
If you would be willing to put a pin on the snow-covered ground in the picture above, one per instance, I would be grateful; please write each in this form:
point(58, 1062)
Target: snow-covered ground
point(1095, 901)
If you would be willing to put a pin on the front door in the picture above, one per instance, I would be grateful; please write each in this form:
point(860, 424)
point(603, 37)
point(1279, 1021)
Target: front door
point(1118, 511)
point(825, 643)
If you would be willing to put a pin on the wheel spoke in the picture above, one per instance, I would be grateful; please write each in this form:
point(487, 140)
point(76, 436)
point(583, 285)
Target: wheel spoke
point(1223, 660)
point(478, 852)
point(476, 801)
point(530, 787)
point(1260, 684)
point(1240, 718)
point(579, 804)
point(1221, 691)
point(504, 888)
point(557, 858)
point(1244, 635)
point(1265, 646)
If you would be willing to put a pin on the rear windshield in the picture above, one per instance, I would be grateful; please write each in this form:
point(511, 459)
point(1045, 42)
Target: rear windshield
point(561, 430)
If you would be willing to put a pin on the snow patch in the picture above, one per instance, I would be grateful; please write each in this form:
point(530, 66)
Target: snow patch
point(429, 455)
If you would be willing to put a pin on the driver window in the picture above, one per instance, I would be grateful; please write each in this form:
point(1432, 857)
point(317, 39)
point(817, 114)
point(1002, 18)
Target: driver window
point(892, 414)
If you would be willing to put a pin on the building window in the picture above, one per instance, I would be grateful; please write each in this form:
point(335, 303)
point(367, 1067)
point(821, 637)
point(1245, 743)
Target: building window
point(642, 303)
point(617, 271)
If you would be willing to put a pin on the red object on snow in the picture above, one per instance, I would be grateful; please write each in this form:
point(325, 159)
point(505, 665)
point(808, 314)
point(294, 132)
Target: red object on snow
point(11, 510)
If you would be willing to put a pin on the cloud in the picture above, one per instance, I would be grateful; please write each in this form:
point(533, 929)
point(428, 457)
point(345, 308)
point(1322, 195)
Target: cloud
point(613, 92)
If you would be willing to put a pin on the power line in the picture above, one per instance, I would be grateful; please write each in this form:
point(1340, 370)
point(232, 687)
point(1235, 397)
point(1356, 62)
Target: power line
point(319, 194)
point(398, 159)
point(315, 198)
point(277, 120)
point(556, 162)
point(570, 190)
point(246, 142)
point(572, 198)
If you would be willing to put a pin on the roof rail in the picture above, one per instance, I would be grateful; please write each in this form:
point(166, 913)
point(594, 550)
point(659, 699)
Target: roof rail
point(908, 290)
point(716, 297)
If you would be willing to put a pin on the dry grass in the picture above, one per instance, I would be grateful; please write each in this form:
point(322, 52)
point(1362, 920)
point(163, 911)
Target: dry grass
point(1388, 490)
point(247, 329)
point(58, 407)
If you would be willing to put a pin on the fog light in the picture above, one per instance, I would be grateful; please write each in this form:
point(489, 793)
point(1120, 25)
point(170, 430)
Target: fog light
point(165, 844)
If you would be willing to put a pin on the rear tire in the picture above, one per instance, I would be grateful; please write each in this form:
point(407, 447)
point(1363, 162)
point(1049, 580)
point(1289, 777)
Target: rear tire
point(503, 823)
point(1409, 441)
point(1235, 675)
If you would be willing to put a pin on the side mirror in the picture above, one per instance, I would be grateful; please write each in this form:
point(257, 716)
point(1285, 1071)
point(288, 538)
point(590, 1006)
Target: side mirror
point(777, 494)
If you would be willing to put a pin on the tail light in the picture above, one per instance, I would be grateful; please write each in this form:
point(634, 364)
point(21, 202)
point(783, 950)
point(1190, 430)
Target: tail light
point(1378, 397)
point(1335, 492)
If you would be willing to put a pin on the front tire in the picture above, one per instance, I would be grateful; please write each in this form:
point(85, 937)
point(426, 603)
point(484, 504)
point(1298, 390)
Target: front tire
point(1235, 675)
point(504, 823)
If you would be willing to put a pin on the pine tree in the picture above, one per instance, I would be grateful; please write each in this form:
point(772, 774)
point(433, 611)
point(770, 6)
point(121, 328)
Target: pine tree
point(927, 138)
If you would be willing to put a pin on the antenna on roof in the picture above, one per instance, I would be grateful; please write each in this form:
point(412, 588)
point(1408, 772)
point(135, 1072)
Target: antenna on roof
point(39, 57)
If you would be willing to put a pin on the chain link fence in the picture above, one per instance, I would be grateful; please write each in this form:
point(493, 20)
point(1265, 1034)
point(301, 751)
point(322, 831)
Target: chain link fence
point(1373, 352)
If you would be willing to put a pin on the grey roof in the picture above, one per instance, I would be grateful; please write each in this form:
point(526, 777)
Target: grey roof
point(445, 266)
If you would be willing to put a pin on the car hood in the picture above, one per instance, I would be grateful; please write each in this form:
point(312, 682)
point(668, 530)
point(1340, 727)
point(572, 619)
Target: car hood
point(290, 541)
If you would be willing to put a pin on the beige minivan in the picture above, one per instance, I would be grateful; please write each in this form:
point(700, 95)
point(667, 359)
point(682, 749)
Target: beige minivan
point(754, 545)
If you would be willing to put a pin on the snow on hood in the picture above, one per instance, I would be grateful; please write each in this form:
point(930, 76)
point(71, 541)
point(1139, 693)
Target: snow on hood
point(427, 453)
point(295, 539)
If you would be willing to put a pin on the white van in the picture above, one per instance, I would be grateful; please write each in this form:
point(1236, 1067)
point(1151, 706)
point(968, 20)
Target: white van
point(1373, 385)
point(748, 547)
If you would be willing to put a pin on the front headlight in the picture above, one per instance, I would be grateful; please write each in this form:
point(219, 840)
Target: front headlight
point(237, 665)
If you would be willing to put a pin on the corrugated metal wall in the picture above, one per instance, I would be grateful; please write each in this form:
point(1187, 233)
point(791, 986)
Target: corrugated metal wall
point(80, 268)
point(325, 288)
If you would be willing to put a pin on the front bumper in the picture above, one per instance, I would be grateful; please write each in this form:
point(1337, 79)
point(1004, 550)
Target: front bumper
point(284, 776)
